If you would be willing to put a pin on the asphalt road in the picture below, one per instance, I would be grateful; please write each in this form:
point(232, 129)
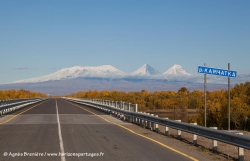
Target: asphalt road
point(57, 127)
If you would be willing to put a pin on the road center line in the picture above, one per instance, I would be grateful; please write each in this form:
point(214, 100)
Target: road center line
point(60, 135)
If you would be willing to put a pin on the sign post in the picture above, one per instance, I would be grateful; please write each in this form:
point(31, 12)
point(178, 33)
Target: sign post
point(228, 99)
point(219, 72)
point(205, 97)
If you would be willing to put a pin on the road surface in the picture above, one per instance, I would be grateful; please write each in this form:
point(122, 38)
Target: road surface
point(58, 130)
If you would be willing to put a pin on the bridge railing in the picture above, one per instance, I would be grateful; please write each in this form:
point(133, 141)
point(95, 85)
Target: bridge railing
point(117, 104)
point(11, 101)
point(9, 106)
point(219, 135)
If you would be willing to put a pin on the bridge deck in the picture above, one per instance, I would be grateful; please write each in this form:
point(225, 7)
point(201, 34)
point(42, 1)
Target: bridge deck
point(36, 131)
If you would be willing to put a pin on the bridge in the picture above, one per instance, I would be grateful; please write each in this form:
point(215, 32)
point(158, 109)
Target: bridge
point(62, 129)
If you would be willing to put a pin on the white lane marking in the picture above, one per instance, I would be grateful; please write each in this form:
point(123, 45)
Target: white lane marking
point(60, 135)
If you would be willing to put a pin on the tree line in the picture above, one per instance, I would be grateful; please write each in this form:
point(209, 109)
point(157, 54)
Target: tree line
point(18, 94)
point(183, 99)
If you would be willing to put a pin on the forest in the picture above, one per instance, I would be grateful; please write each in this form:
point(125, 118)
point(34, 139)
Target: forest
point(183, 99)
point(18, 94)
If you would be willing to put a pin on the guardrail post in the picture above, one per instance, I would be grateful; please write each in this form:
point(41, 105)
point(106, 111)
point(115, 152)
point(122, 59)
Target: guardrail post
point(152, 124)
point(240, 151)
point(166, 129)
point(135, 120)
point(144, 121)
point(124, 117)
point(156, 126)
point(120, 116)
point(148, 123)
point(123, 105)
point(178, 131)
point(195, 136)
point(214, 142)
point(140, 121)
point(136, 107)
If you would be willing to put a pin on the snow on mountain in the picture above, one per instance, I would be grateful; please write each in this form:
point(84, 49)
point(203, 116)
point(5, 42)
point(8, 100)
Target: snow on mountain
point(176, 70)
point(105, 71)
point(146, 70)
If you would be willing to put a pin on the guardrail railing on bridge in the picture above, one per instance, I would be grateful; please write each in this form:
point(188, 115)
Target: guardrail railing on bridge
point(12, 105)
point(117, 104)
point(240, 141)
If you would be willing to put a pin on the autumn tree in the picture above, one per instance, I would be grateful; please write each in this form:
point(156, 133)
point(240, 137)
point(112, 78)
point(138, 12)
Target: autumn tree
point(183, 99)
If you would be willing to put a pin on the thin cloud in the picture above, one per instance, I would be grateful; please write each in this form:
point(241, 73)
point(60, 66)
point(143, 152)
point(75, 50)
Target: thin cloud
point(22, 68)
point(25, 68)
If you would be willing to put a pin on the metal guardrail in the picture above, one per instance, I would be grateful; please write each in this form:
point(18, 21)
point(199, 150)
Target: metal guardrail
point(11, 101)
point(121, 105)
point(15, 104)
point(219, 135)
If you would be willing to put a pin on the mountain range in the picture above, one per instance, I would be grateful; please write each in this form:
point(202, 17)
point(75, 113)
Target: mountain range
point(107, 71)
point(107, 77)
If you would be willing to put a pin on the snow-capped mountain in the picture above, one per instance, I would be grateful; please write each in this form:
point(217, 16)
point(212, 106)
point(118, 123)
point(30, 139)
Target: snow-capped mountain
point(176, 70)
point(104, 71)
point(106, 77)
point(146, 70)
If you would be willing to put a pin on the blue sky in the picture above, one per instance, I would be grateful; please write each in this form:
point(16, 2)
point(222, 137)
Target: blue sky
point(41, 37)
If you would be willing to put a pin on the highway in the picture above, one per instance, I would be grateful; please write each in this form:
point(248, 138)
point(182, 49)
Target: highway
point(58, 130)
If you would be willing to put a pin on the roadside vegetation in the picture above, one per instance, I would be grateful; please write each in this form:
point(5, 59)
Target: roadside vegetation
point(18, 94)
point(184, 100)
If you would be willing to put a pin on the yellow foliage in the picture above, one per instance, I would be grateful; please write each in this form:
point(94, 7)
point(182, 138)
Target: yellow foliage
point(18, 94)
point(217, 103)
